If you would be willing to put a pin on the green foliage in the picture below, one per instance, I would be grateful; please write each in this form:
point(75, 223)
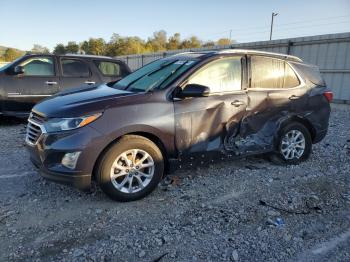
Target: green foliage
point(59, 49)
point(224, 41)
point(12, 54)
point(118, 45)
point(95, 46)
point(72, 47)
point(38, 49)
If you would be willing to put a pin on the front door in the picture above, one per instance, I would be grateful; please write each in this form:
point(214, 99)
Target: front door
point(209, 123)
point(38, 81)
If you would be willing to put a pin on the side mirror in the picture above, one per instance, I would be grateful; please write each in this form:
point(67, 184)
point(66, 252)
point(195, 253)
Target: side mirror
point(194, 90)
point(18, 70)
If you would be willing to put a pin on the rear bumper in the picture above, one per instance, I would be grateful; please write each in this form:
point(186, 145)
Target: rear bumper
point(320, 135)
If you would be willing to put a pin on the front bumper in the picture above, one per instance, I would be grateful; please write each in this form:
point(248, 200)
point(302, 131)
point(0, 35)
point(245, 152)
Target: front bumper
point(48, 152)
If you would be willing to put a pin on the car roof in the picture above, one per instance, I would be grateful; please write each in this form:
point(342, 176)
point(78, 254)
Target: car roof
point(74, 55)
point(204, 54)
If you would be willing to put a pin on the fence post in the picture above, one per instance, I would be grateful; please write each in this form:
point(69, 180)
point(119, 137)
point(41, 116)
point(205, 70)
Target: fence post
point(164, 54)
point(127, 60)
point(141, 60)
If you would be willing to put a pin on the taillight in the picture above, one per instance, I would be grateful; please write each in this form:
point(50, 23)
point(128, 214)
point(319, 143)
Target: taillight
point(328, 95)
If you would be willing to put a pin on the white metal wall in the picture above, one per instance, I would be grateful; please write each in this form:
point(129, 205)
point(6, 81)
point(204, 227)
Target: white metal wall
point(331, 53)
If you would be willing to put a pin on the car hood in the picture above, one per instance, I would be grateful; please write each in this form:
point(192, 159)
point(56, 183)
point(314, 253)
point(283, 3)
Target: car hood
point(81, 101)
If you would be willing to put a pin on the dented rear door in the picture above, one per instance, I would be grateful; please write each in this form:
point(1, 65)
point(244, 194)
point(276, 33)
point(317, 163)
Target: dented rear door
point(207, 123)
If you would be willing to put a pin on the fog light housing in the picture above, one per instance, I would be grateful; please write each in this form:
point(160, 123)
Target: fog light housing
point(70, 159)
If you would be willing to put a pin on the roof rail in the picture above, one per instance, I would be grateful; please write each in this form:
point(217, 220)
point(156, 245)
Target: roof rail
point(247, 51)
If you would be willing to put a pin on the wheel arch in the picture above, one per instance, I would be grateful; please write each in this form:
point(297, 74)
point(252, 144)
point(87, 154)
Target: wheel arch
point(155, 139)
point(302, 121)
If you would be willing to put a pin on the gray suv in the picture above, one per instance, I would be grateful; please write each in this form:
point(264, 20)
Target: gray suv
point(124, 135)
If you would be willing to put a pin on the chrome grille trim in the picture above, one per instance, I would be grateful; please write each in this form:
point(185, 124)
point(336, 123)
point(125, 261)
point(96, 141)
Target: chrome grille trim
point(35, 129)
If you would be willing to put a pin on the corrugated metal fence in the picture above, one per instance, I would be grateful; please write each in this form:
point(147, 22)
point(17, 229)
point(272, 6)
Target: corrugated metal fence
point(331, 53)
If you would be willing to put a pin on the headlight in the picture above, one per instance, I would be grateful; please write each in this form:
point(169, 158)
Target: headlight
point(63, 124)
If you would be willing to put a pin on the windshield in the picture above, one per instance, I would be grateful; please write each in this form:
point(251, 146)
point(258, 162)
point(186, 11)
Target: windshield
point(156, 75)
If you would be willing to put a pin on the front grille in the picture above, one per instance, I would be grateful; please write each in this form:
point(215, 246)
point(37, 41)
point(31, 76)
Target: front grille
point(36, 118)
point(34, 128)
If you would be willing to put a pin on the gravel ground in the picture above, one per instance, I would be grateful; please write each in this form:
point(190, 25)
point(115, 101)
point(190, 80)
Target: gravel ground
point(230, 210)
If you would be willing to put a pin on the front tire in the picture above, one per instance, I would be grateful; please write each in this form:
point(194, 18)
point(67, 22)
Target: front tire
point(294, 144)
point(131, 168)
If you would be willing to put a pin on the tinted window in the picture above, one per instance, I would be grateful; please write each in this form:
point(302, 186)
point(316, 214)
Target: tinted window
point(290, 78)
point(266, 72)
point(272, 73)
point(74, 67)
point(223, 75)
point(310, 72)
point(109, 68)
point(38, 66)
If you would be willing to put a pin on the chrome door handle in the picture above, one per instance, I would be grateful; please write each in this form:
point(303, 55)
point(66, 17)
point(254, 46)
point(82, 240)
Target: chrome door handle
point(294, 97)
point(90, 82)
point(50, 83)
point(237, 103)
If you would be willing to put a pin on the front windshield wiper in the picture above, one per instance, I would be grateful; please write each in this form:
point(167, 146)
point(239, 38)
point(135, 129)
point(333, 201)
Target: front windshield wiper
point(149, 74)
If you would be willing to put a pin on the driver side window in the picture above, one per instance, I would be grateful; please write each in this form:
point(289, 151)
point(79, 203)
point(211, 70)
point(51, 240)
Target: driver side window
point(224, 75)
point(38, 66)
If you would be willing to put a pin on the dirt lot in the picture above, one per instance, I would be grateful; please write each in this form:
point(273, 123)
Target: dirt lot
point(225, 210)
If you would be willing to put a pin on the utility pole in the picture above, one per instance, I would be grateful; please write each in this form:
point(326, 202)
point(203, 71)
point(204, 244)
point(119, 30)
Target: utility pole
point(230, 36)
point(272, 16)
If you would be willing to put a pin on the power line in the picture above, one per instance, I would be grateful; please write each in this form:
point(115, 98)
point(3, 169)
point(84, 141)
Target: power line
point(277, 28)
point(277, 25)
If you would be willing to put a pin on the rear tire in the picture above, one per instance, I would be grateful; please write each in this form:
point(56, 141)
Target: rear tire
point(294, 145)
point(130, 169)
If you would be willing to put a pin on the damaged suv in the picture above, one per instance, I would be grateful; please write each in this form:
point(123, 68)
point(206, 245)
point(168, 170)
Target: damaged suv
point(124, 135)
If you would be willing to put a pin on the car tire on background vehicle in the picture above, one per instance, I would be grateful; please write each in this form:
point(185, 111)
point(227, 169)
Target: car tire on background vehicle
point(294, 145)
point(131, 168)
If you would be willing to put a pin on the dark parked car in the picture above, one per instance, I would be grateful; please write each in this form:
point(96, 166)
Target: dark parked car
point(32, 78)
point(124, 135)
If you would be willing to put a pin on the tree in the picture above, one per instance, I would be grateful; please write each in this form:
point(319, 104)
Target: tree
point(208, 44)
point(193, 42)
point(174, 42)
point(59, 49)
point(40, 49)
point(224, 41)
point(12, 54)
point(95, 46)
point(72, 47)
point(158, 41)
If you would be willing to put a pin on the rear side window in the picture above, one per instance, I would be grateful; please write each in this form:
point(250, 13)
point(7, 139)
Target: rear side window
point(267, 73)
point(38, 66)
point(75, 68)
point(224, 75)
point(310, 72)
point(109, 68)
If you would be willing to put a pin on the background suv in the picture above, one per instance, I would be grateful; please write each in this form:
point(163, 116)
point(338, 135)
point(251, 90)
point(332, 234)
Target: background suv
point(32, 78)
point(124, 135)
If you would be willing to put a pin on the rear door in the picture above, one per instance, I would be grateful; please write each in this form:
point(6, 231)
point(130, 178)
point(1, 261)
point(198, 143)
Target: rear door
point(76, 72)
point(209, 123)
point(274, 93)
point(39, 80)
point(111, 70)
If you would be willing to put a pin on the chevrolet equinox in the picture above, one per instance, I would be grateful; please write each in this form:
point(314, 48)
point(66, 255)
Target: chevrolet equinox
point(124, 134)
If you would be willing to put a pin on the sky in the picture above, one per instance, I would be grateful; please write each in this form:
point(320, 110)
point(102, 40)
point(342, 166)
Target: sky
point(48, 22)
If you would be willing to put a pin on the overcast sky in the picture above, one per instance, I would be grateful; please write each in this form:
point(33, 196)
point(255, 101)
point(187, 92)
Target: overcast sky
point(48, 22)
